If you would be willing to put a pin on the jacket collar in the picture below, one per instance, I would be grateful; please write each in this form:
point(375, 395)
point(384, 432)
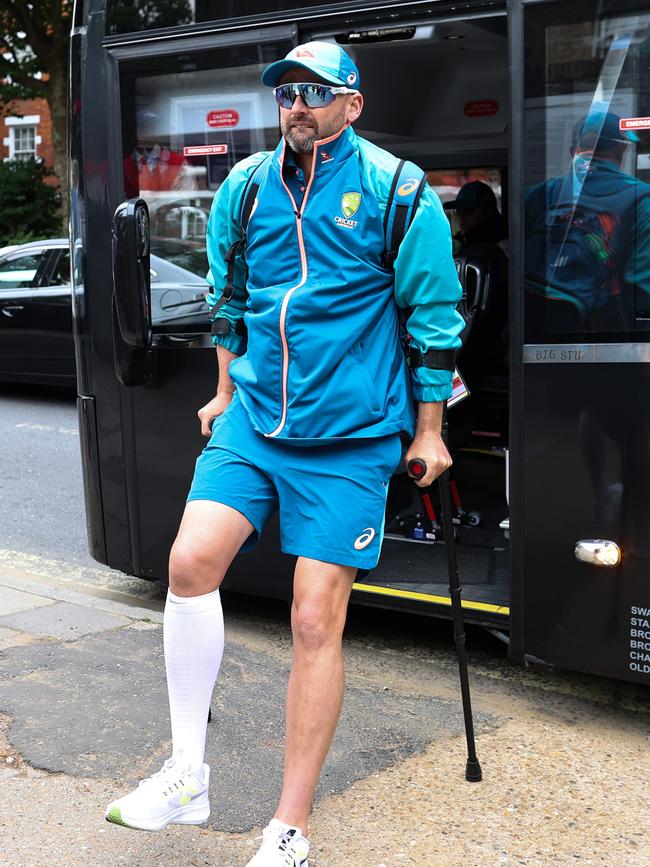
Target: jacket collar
point(328, 152)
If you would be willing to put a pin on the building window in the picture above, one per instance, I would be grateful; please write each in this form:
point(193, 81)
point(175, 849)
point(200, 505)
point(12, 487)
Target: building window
point(22, 139)
point(24, 142)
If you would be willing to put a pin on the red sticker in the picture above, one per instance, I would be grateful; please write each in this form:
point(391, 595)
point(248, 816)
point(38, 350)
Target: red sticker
point(224, 117)
point(205, 150)
point(481, 107)
point(634, 123)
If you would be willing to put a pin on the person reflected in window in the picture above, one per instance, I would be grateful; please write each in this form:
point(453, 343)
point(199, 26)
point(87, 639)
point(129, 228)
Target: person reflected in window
point(588, 237)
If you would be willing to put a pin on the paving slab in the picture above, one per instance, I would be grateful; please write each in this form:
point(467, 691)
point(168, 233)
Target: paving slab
point(63, 620)
point(13, 638)
point(98, 707)
point(12, 601)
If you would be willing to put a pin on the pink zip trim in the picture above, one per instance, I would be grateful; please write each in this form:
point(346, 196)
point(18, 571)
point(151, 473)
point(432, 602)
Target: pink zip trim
point(303, 261)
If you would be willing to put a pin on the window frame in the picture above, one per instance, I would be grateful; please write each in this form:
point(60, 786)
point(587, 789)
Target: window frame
point(14, 123)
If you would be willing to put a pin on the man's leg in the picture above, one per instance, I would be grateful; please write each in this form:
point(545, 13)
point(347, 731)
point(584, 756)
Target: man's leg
point(209, 537)
point(316, 682)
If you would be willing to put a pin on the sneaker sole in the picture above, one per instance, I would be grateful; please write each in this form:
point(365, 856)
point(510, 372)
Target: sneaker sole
point(179, 816)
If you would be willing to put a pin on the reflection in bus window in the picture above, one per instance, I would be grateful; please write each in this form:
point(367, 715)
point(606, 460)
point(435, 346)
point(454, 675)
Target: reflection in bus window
point(185, 123)
point(587, 218)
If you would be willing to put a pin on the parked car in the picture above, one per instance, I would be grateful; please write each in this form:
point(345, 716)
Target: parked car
point(36, 342)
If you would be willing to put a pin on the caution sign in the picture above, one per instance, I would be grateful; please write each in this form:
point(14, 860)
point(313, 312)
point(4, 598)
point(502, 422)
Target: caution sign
point(205, 150)
point(634, 123)
point(481, 107)
point(223, 118)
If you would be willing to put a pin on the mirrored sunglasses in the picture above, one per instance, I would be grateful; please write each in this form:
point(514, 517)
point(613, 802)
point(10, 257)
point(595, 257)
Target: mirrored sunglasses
point(313, 95)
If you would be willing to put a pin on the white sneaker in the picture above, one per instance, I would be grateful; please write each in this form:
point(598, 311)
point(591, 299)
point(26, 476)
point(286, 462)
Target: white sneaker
point(282, 846)
point(173, 794)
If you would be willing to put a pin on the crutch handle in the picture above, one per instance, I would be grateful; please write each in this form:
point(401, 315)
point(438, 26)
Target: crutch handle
point(417, 468)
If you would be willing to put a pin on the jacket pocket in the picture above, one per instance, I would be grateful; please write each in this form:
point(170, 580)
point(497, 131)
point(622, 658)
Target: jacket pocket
point(366, 380)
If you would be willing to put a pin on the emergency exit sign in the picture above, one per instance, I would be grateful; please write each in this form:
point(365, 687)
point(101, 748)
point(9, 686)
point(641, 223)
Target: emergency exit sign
point(205, 150)
point(634, 123)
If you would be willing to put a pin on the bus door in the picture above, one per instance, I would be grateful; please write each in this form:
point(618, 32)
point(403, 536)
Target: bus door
point(188, 111)
point(581, 478)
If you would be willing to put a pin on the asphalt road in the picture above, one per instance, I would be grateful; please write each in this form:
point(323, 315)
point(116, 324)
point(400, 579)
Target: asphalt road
point(42, 517)
point(40, 474)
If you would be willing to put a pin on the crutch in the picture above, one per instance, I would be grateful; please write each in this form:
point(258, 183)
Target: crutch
point(417, 469)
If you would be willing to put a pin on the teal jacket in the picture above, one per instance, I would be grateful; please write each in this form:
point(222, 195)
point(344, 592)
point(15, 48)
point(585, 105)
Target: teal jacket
point(324, 359)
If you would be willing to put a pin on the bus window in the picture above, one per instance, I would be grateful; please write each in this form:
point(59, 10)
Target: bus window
point(185, 122)
point(587, 176)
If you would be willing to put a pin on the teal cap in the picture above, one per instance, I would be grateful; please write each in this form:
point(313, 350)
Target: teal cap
point(600, 125)
point(326, 60)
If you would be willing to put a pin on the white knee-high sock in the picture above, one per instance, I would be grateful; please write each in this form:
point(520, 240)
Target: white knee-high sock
point(193, 639)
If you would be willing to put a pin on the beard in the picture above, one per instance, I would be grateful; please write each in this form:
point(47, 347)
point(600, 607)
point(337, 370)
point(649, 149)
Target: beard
point(301, 132)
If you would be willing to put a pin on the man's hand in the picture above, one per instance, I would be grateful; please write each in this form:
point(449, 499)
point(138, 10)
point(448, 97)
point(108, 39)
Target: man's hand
point(429, 447)
point(427, 443)
point(211, 410)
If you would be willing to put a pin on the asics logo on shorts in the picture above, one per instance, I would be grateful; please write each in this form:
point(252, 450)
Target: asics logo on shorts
point(364, 539)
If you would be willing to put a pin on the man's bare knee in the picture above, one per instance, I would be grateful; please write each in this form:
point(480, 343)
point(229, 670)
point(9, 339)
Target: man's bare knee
point(315, 626)
point(320, 602)
point(191, 573)
point(209, 537)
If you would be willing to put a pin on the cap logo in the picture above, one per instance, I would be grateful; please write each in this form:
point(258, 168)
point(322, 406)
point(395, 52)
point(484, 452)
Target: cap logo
point(408, 187)
point(305, 52)
point(350, 203)
point(352, 77)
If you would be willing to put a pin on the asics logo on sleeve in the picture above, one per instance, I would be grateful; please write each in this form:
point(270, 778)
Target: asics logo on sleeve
point(408, 186)
point(364, 539)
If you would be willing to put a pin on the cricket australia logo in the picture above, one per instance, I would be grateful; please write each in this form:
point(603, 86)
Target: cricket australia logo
point(350, 203)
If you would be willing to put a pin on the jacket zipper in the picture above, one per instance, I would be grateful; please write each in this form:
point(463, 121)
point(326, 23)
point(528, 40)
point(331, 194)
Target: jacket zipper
point(298, 212)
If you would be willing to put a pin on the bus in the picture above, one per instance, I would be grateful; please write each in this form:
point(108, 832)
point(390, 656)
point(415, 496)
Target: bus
point(551, 475)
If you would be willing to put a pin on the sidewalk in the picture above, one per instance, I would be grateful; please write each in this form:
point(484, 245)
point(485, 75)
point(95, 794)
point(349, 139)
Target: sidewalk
point(83, 716)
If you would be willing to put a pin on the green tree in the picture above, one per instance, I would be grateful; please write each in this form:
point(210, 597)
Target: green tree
point(35, 38)
point(34, 60)
point(29, 208)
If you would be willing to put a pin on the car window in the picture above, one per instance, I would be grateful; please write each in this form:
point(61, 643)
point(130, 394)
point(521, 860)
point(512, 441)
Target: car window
point(20, 272)
point(60, 275)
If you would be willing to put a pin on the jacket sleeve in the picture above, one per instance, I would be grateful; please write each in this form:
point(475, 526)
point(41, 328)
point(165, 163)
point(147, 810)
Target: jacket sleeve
point(426, 284)
point(224, 228)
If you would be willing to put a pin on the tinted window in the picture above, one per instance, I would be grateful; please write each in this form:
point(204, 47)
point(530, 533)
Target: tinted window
point(587, 245)
point(20, 272)
point(128, 16)
point(186, 120)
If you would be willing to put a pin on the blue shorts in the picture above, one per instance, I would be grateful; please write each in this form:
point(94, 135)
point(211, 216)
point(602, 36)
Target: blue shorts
point(331, 498)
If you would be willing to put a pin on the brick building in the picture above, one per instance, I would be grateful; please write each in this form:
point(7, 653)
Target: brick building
point(27, 131)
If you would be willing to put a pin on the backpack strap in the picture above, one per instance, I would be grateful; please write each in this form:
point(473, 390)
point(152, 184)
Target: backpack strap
point(403, 198)
point(221, 325)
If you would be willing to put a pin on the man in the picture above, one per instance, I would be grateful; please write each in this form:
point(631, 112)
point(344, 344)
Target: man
point(587, 254)
point(306, 419)
point(479, 219)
